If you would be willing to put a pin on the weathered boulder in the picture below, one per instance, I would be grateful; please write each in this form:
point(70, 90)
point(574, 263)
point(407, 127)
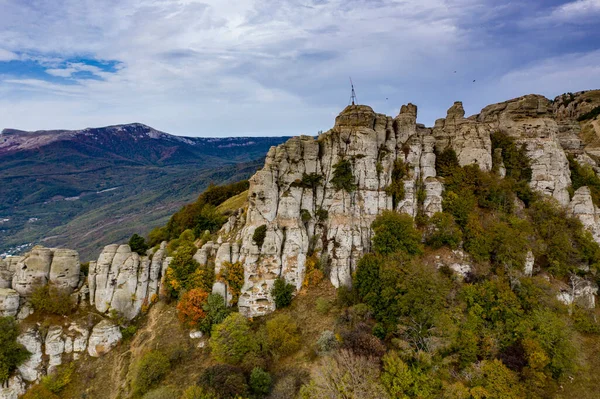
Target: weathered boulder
point(59, 267)
point(32, 271)
point(9, 302)
point(105, 336)
point(7, 270)
point(13, 388)
point(31, 370)
point(64, 270)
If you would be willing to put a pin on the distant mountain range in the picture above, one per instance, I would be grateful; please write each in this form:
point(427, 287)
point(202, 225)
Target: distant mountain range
point(87, 188)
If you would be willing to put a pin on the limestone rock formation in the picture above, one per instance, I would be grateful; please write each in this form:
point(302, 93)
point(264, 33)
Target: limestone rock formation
point(579, 135)
point(122, 280)
point(105, 336)
point(579, 291)
point(530, 120)
point(9, 302)
point(583, 208)
point(13, 388)
point(7, 270)
point(32, 341)
point(468, 138)
point(298, 199)
point(41, 266)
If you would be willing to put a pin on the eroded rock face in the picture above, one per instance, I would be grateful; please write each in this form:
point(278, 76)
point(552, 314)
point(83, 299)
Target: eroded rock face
point(123, 281)
point(531, 121)
point(579, 291)
point(9, 302)
point(31, 370)
point(105, 336)
point(41, 266)
point(583, 208)
point(13, 388)
point(64, 270)
point(468, 138)
point(303, 212)
point(32, 271)
point(7, 270)
point(295, 198)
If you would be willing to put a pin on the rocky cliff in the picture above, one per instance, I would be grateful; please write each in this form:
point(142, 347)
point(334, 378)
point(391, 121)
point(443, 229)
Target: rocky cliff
point(299, 200)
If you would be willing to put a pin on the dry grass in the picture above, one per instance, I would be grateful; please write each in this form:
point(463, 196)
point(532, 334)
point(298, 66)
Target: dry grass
point(233, 203)
point(110, 376)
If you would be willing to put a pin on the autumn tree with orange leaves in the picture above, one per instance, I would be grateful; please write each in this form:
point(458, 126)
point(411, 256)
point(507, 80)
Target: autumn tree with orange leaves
point(190, 307)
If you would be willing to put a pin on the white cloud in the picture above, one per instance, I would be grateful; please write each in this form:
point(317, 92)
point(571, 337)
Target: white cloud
point(6, 55)
point(245, 66)
point(579, 71)
point(577, 10)
point(75, 67)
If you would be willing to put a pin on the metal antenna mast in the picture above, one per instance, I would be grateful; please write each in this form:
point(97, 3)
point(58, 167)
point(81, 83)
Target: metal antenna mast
point(353, 96)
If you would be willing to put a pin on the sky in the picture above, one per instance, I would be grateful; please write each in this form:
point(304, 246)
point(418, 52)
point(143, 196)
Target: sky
point(282, 67)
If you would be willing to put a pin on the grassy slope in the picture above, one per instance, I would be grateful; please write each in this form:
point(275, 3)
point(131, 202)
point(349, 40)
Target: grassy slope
point(109, 376)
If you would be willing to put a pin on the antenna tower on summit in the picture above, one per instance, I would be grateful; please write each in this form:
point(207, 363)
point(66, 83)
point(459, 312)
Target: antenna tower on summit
point(353, 96)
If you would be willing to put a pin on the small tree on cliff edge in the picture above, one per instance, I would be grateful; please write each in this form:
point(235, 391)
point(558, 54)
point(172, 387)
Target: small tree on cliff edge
point(138, 244)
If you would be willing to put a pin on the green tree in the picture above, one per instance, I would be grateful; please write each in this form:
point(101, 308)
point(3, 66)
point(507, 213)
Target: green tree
point(260, 382)
point(52, 300)
point(216, 311)
point(446, 162)
point(282, 293)
point(228, 382)
point(403, 381)
point(149, 371)
point(259, 235)
point(180, 274)
point(515, 159)
point(209, 219)
point(343, 179)
point(232, 340)
point(396, 187)
point(283, 337)
point(138, 244)
point(12, 353)
point(493, 380)
point(395, 232)
point(443, 230)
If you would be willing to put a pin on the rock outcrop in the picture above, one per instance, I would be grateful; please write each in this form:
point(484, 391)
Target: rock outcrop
point(104, 337)
point(123, 281)
point(296, 198)
point(7, 270)
point(31, 370)
point(41, 266)
point(468, 138)
point(583, 208)
point(13, 388)
point(9, 302)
